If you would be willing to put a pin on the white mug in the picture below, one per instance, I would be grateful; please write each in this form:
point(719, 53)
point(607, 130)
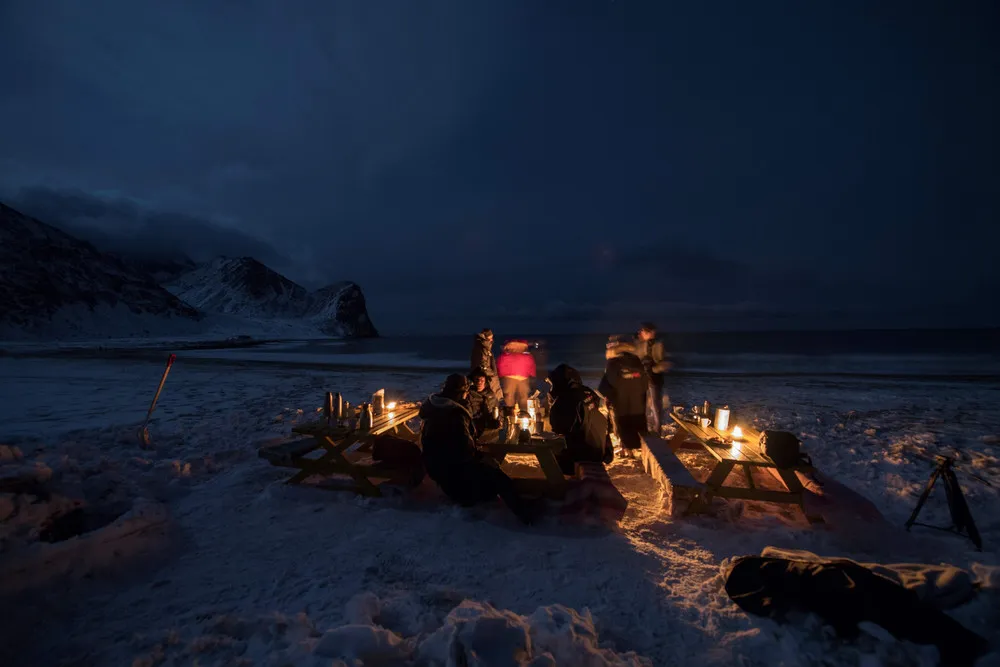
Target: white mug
point(705, 422)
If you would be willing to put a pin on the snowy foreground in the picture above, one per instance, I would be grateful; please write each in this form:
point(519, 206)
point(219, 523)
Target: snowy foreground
point(206, 558)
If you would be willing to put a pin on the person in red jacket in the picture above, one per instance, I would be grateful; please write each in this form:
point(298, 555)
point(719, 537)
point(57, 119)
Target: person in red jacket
point(516, 368)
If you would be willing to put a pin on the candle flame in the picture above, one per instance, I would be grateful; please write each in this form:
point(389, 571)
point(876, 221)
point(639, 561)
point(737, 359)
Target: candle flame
point(737, 433)
point(525, 423)
point(391, 406)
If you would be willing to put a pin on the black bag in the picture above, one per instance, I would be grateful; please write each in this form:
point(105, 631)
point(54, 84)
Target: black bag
point(844, 593)
point(783, 448)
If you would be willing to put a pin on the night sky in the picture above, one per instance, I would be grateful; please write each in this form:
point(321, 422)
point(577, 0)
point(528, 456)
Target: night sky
point(550, 165)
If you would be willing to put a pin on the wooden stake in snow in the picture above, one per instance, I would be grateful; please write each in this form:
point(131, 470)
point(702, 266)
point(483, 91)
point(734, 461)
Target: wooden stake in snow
point(143, 431)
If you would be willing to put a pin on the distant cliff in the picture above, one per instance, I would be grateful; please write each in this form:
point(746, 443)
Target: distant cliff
point(245, 287)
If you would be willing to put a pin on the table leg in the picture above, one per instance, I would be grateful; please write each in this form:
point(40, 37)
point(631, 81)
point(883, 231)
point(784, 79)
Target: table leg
point(333, 461)
point(553, 473)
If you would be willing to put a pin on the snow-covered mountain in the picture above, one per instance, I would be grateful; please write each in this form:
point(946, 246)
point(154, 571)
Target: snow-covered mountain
point(245, 287)
point(240, 286)
point(54, 284)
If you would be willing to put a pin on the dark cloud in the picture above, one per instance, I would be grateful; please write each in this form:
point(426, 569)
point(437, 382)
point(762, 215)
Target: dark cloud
point(562, 160)
point(121, 225)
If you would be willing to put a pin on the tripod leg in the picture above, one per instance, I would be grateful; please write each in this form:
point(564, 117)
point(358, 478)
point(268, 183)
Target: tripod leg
point(961, 516)
point(923, 498)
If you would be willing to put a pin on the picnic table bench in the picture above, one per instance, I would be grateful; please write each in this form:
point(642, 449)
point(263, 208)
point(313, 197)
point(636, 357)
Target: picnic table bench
point(343, 451)
point(729, 454)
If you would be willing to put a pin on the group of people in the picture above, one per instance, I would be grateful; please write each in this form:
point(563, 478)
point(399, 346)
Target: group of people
point(494, 389)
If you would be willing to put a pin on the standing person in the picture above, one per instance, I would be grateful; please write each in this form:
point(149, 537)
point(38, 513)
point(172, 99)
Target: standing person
point(464, 473)
point(541, 354)
point(483, 359)
point(516, 368)
point(654, 359)
point(626, 386)
point(576, 415)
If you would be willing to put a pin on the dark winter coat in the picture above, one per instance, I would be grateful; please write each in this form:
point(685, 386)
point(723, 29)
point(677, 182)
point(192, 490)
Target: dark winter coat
point(625, 384)
point(447, 437)
point(481, 404)
point(575, 414)
point(482, 357)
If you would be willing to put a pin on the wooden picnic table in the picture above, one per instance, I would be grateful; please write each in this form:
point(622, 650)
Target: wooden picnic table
point(544, 446)
point(744, 453)
point(342, 450)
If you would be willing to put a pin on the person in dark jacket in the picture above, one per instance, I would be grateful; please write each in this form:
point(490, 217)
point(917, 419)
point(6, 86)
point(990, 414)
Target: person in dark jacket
point(451, 458)
point(576, 415)
point(625, 385)
point(483, 360)
point(539, 350)
point(654, 359)
point(483, 403)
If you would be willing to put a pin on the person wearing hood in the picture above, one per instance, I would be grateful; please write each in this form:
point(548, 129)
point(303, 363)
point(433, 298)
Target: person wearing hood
point(576, 415)
point(483, 403)
point(516, 368)
point(483, 360)
point(451, 458)
point(625, 384)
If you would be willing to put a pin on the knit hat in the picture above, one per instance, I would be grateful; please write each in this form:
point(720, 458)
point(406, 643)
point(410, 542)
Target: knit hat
point(455, 384)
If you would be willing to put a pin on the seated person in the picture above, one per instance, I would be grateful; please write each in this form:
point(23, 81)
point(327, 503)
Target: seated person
point(465, 474)
point(483, 403)
point(576, 415)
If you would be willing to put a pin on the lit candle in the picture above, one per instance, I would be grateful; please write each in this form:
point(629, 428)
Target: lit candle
point(391, 406)
point(737, 433)
point(525, 423)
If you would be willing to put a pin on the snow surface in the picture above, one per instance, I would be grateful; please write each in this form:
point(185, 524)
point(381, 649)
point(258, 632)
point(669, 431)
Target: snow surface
point(212, 560)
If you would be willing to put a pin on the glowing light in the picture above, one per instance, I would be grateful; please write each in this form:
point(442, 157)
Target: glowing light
point(391, 406)
point(525, 423)
point(391, 414)
point(737, 433)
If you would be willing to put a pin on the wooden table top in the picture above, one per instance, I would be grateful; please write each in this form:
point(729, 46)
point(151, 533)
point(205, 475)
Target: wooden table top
point(721, 446)
point(382, 423)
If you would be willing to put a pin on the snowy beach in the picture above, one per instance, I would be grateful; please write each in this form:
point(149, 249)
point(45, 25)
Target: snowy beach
point(219, 563)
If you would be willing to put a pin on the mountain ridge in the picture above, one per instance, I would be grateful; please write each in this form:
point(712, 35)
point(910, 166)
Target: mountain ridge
point(248, 287)
point(48, 277)
point(55, 284)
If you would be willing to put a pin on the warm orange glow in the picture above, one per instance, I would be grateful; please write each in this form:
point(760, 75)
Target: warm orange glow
point(737, 433)
point(391, 406)
point(391, 414)
point(525, 423)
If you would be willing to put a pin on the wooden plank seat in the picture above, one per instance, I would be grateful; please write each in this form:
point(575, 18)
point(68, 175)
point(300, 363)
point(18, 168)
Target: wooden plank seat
point(681, 491)
point(282, 454)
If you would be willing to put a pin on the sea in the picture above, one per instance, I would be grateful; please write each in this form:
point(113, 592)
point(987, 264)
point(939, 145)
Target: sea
point(967, 354)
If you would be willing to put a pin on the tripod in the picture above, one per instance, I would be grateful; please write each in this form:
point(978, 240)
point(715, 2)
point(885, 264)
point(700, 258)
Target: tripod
point(961, 519)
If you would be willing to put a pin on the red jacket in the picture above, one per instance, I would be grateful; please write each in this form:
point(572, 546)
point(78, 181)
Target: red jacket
point(516, 365)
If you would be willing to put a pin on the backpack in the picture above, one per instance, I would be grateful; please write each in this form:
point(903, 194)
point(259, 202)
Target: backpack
point(783, 448)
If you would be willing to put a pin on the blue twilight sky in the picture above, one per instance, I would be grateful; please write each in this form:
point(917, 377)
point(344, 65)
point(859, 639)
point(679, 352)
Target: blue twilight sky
point(547, 164)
